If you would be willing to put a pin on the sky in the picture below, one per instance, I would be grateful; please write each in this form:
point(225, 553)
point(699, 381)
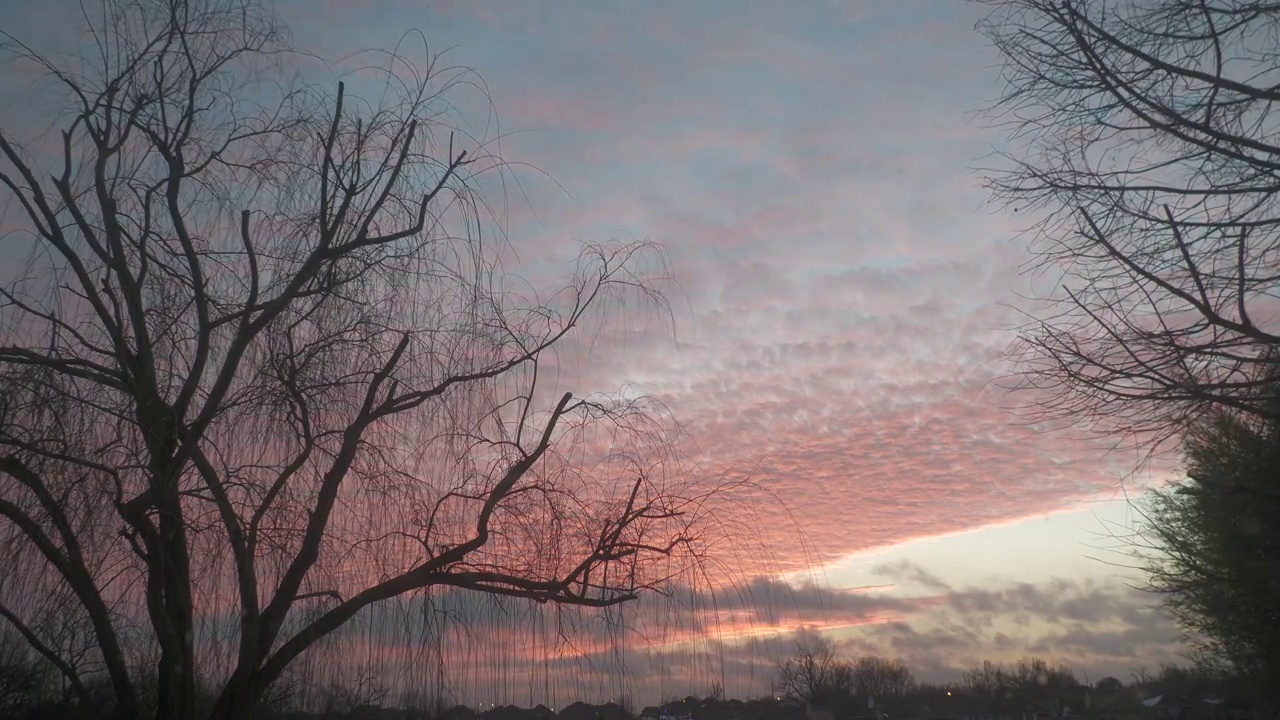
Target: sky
point(845, 297)
point(842, 297)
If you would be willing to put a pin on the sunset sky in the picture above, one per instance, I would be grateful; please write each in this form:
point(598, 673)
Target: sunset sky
point(842, 303)
point(844, 295)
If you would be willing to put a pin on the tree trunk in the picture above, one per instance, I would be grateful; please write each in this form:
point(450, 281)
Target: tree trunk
point(176, 674)
point(238, 698)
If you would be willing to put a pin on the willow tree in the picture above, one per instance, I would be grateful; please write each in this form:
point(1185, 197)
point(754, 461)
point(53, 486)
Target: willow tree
point(1143, 142)
point(260, 372)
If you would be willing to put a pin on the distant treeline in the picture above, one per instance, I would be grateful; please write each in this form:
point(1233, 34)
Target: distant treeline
point(31, 688)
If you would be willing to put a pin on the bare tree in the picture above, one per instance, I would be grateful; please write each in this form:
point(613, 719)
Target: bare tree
point(1143, 142)
point(813, 673)
point(982, 682)
point(1030, 682)
point(879, 677)
point(366, 688)
point(261, 373)
point(716, 691)
point(25, 679)
point(1034, 672)
point(1033, 682)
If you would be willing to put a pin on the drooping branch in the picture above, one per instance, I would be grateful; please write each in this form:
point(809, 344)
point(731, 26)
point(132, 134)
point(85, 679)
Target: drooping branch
point(80, 581)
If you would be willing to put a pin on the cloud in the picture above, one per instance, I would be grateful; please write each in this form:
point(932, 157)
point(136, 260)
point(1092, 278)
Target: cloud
point(680, 643)
point(1097, 627)
point(905, 570)
point(839, 311)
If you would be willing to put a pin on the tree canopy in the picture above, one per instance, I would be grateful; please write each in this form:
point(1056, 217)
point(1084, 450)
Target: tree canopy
point(1142, 146)
point(1214, 548)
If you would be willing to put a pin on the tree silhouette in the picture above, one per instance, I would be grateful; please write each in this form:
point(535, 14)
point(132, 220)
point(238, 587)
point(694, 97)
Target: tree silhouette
point(813, 673)
point(1141, 144)
point(1030, 683)
point(1212, 550)
point(24, 679)
point(983, 683)
point(880, 677)
point(1109, 685)
point(261, 372)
